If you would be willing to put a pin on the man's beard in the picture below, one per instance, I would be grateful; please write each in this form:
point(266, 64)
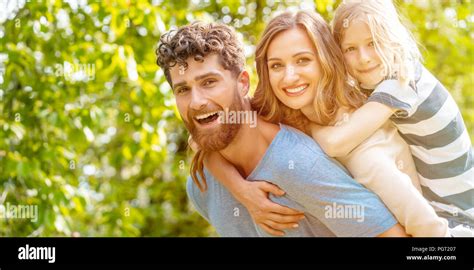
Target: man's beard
point(219, 137)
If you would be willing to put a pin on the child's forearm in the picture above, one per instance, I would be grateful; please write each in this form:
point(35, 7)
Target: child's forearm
point(352, 129)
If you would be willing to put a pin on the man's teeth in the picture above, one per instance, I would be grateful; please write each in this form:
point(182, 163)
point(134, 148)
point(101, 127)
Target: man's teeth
point(203, 116)
point(297, 89)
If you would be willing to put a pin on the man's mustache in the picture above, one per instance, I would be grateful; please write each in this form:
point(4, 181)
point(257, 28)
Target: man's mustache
point(192, 113)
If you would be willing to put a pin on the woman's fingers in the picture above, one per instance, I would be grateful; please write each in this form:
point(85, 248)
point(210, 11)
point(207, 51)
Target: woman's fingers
point(280, 226)
point(282, 210)
point(271, 188)
point(271, 231)
point(285, 218)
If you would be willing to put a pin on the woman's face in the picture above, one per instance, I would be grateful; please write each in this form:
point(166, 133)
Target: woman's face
point(293, 68)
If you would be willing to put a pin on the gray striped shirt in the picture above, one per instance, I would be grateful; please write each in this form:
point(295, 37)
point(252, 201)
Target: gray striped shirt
point(431, 123)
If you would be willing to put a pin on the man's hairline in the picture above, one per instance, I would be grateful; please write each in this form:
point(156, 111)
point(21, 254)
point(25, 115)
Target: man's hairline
point(210, 54)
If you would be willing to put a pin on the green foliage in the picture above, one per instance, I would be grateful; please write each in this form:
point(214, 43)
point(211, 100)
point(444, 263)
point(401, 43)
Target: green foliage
point(103, 152)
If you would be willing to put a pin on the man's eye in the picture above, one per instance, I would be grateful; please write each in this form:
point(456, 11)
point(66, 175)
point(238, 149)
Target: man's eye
point(182, 90)
point(209, 82)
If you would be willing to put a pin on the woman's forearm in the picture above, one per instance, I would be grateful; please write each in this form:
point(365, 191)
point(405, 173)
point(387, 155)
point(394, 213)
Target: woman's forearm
point(225, 173)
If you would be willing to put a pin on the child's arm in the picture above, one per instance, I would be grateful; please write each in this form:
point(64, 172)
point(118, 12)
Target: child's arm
point(271, 217)
point(339, 140)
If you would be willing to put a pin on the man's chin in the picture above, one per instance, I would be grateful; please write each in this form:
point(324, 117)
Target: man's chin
point(215, 139)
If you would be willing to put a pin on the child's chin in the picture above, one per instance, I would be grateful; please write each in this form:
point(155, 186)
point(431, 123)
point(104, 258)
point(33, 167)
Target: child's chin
point(370, 84)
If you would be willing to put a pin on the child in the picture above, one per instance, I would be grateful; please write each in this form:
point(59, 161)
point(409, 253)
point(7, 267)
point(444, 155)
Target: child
point(383, 60)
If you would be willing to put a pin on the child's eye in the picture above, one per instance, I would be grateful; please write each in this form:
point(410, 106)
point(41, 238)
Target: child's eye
point(350, 49)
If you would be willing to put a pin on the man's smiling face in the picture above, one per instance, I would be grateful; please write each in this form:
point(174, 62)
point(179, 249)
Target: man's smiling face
point(202, 91)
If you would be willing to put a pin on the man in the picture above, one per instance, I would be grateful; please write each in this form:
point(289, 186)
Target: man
point(204, 65)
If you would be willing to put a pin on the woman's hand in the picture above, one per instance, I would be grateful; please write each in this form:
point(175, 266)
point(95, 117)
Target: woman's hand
point(270, 216)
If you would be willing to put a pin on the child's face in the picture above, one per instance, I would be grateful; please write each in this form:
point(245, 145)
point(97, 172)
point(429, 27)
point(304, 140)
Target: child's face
point(361, 58)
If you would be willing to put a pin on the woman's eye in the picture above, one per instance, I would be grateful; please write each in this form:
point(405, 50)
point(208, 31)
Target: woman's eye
point(303, 60)
point(275, 66)
point(371, 44)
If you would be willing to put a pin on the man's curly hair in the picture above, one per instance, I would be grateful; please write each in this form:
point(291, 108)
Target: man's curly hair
point(198, 40)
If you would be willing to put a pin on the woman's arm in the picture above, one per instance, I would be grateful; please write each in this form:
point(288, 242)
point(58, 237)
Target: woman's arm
point(271, 217)
point(339, 140)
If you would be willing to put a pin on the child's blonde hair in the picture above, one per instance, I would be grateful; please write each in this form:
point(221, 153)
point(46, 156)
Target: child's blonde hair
point(394, 43)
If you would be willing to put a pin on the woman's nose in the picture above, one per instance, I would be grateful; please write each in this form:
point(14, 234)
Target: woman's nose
point(290, 74)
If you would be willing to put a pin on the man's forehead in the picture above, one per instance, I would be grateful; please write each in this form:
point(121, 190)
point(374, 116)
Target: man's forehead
point(210, 62)
point(196, 69)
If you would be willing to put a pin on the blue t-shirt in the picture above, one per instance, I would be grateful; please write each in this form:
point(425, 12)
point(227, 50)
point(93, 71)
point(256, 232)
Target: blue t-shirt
point(334, 204)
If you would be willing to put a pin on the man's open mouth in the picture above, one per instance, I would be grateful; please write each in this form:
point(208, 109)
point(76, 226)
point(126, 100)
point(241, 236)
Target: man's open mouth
point(207, 118)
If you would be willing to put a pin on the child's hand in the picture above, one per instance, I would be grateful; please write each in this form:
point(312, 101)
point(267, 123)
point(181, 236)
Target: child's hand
point(194, 146)
point(270, 216)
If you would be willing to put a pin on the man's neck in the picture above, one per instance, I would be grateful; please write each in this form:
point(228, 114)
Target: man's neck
point(250, 145)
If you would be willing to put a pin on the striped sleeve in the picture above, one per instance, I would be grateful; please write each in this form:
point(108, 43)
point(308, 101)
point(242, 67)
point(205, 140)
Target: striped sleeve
point(393, 94)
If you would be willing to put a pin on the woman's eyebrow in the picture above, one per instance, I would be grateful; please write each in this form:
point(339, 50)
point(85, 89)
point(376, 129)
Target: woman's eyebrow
point(295, 55)
point(303, 52)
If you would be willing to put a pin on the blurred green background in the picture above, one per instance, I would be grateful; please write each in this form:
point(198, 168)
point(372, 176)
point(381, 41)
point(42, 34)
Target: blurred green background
point(89, 130)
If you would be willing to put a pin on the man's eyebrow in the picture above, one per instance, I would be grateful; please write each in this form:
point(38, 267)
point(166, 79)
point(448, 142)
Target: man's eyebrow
point(197, 78)
point(212, 73)
point(295, 55)
point(178, 84)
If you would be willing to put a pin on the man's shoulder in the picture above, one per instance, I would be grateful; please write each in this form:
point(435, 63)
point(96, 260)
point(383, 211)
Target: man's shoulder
point(295, 139)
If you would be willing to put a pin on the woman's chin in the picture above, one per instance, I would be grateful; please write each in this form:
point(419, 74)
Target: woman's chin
point(294, 106)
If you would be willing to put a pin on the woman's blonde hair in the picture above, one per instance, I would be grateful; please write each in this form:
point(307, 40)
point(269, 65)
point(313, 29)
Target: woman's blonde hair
point(332, 91)
point(394, 44)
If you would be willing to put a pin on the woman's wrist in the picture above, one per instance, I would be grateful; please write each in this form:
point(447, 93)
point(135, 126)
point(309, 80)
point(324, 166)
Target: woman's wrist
point(240, 189)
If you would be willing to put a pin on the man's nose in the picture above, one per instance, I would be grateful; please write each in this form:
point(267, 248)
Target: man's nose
point(198, 99)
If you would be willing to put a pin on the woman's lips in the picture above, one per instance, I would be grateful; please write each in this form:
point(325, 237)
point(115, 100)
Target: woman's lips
point(295, 91)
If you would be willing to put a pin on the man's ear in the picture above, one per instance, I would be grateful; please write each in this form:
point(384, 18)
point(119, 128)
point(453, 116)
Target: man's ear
point(243, 82)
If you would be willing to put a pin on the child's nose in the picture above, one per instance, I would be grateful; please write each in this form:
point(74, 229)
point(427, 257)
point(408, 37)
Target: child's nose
point(364, 56)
